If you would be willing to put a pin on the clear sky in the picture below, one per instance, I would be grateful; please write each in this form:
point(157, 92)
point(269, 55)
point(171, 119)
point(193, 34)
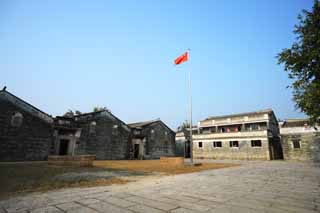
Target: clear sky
point(61, 55)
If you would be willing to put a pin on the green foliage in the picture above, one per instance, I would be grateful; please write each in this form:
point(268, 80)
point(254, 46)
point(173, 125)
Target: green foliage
point(97, 109)
point(184, 126)
point(77, 112)
point(69, 114)
point(302, 62)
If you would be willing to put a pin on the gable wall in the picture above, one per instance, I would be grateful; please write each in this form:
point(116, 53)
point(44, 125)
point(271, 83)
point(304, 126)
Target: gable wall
point(31, 141)
point(103, 143)
point(160, 144)
point(309, 147)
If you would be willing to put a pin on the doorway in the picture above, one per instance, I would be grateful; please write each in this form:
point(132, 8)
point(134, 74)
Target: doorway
point(63, 148)
point(187, 149)
point(136, 151)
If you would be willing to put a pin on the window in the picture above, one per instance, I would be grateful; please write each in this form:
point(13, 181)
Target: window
point(200, 144)
point(92, 127)
point(217, 144)
point(234, 143)
point(223, 129)
point(256, 143)
point(152, 134)
point(16, 119)
point(255, 127)
point(115, 130)
point(296, 144)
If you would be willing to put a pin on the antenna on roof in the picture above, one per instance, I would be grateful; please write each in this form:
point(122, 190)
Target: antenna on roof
point(4, 88)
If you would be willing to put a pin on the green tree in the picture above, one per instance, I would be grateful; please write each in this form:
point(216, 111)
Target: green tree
point(97, 109)
point(302, 62)
point(184, 126)
point(77, 112)
point(69, 113)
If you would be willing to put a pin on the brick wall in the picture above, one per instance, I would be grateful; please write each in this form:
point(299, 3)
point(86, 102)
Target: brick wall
point(103, 142)
point(162, 143)
point(243, 152)
point(309, 147)
point(30, 141)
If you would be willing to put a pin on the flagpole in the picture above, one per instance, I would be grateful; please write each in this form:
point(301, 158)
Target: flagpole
point(190, 108)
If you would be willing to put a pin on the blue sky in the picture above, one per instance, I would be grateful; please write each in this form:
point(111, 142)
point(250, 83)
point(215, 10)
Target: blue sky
point(61, 55)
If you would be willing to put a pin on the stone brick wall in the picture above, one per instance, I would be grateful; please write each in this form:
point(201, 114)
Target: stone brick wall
point(30, 141)
point(243, 152)
point(161, 143)
point(309, 147)
point(104, 142)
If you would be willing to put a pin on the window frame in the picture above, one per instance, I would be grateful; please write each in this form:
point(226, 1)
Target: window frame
point(232, 146)
point(115, 130)
point(92, 127)
point(214, 144)
point(16, 119)
point(255, 146)
point(152, 134)
point(296, 141)
point(200, 142)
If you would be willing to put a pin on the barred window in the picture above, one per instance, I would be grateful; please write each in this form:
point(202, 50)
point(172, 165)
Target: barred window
point(217, 144)
point(234, 144)
point(16, 119)
point(296, 144)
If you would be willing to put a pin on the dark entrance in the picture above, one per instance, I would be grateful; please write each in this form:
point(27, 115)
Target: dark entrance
point(136, 151)
point(187, 149)
point(275, 149)
point(63, 149)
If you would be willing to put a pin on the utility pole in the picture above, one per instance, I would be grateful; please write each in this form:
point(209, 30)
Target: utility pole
point(190, 108)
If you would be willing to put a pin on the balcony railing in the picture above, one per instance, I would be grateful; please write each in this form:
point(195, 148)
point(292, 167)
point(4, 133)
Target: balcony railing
point(232, 134)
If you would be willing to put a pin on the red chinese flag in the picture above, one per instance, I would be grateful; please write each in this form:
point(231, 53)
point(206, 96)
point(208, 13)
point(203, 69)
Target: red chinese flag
point(184, 57)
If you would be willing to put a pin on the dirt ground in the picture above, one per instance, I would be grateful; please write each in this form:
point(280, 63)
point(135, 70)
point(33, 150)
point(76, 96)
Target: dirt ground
point(21, 178)
point(156, 166)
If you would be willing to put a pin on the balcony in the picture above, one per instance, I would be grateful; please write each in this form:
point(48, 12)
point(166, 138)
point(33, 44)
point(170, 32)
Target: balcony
point(242, 134)
point(234, 121)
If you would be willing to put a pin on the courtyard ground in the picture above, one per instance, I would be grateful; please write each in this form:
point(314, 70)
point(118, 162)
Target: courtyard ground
point(273, 186)
point(154, 166)
point(21, 178)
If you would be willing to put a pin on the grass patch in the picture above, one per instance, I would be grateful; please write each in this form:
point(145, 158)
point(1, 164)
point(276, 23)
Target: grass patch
point(155, 166)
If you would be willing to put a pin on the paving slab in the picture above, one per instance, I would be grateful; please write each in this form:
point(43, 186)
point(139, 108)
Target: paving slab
point(264, 186)
point(106, 207)
point(49, 209)
point(119, 202)
point(144, 209)
point(152, 203)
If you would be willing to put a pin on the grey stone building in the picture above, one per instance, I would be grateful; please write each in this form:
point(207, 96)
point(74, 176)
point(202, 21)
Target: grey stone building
point(25, 131)
point(97, 133)
point(183, 147)
point(245, 136)
point(151, 140)
point(300, 141)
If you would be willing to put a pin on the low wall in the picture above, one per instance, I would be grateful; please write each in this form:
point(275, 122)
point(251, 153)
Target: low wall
point(68, 160)
point(172, 161)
